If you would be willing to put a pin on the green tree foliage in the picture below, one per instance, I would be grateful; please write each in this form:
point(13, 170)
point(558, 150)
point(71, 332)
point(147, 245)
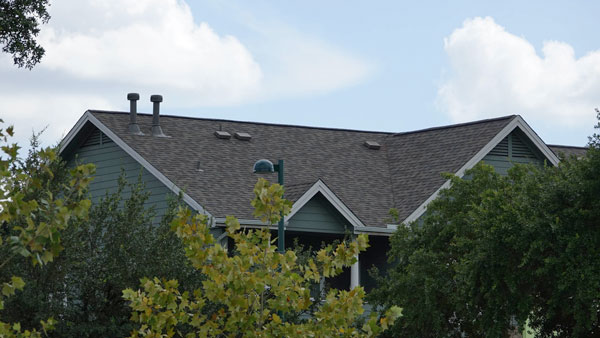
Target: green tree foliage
point(33, 218)
point(255, 291)
point(120, 243)
point(497, 251)
point(19, 25)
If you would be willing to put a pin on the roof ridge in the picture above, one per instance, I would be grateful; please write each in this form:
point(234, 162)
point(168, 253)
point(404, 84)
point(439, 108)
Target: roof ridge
point(567, 146)
point(456, 125)
point(384, 133)
point(312, 127)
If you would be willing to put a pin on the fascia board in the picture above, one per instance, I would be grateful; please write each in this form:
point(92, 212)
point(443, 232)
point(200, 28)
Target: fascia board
point(243, 222)
point(87, 116)
point(374, 231)
point(321, 187)
point(74, 131)
point(517, 121)
point(257, 224)
point(537, 141)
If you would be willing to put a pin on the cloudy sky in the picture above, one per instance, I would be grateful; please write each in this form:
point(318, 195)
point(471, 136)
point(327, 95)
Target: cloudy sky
point(371, 65)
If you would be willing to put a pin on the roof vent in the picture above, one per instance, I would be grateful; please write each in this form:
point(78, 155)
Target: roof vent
point(134, 128)
point(243, 136)
point(156, 129)
point(222, 134)
point(372, 145)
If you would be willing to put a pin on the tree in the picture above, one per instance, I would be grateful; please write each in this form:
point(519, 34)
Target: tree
point(119, 243)
point(256, 291)
point(19, 25)
point(33, 218)
point(495, 252)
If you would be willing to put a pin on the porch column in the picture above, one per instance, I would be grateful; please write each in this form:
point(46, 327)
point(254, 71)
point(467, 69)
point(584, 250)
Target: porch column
point(355, 274)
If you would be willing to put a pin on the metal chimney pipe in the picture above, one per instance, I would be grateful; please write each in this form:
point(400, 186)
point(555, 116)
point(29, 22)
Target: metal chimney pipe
point(156, 129)
point(134, 128)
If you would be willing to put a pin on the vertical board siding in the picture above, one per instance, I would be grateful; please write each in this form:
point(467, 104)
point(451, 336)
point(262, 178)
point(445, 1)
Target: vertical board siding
point(111, 161)
point(514, 148)
point(318, 215)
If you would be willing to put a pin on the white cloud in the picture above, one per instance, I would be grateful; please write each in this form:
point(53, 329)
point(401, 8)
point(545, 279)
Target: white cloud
point(152, 43)
point(55, 113)
point(98, 50)
point(494, 72)
point(301, 65)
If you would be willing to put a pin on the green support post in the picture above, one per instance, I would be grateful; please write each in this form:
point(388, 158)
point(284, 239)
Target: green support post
point(281, 227)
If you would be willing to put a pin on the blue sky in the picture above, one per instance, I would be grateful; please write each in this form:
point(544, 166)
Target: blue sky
point(377, 65)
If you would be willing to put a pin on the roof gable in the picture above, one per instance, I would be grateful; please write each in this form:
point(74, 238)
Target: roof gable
point(515, 122)
point(318, 215)
point(417, 160)
point(82, 131)
point(216, 173)
point(322, 189)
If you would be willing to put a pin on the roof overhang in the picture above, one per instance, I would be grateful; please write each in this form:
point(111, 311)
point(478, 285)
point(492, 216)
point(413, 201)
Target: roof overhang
point(516, 122)
point(89, 117)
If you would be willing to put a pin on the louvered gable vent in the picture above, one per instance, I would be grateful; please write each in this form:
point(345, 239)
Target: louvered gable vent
point(520, 149)
point(96, 138)
point(513, 145)
point(501, 149)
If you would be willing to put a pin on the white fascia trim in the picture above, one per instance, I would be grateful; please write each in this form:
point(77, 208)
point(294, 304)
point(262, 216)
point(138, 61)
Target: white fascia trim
point(247, 223)
point(321, 187)
point(517, 121)
point(374, 231)
point(244, 222)
point(74, 131)
point(541, 145)
point(257, 224)
point(87, 116)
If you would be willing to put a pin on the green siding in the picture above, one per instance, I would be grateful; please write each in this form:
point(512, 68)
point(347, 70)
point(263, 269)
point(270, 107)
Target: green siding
point(514, 148)
point(110, 161)
point(318, 215)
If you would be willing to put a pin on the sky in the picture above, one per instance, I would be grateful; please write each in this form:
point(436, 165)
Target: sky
point(368, 65)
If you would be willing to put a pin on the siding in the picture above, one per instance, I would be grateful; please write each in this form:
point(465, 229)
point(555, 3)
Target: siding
point(514, 148)
point(318, 215)
point(110, 161)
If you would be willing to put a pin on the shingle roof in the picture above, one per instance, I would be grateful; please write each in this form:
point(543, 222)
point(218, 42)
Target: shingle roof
point(402, 174)
point(568, 150)
point(294, 191)
point(417, 159)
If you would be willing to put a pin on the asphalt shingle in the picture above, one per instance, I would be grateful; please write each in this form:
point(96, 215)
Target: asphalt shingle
point(568, 150)
point(402, 174)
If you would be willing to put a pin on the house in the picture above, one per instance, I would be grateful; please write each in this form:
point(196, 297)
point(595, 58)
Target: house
point(340, 181)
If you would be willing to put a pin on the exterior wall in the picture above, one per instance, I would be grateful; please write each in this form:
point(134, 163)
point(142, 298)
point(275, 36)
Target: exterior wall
point(515, 148)
point(319, 222)
point(110, 161)
point(318, 215)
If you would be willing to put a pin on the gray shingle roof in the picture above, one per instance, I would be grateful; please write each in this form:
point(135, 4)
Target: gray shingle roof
point(294, 191)
point(417, 159)
point(402, 174)
point(568, 150)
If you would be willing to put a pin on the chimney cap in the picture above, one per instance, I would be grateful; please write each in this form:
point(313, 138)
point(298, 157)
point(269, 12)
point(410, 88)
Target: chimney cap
point(156, 98)
point(133, 96)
